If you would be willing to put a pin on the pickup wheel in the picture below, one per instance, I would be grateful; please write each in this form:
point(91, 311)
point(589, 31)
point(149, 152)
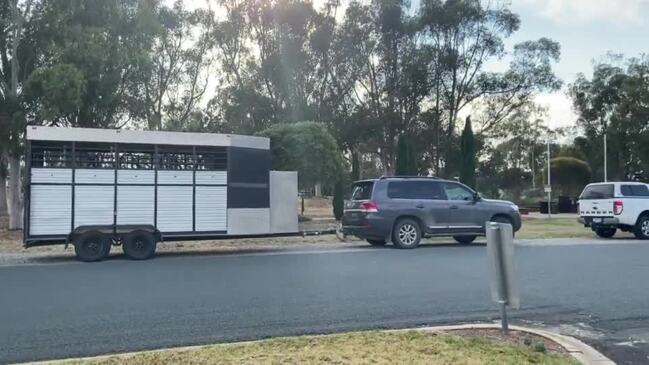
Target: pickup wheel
point(139, 245)
point(376, 243)
point(92, 246)
point(406, 234)
point(465, 240)
point(641, 229)
point(605, 232)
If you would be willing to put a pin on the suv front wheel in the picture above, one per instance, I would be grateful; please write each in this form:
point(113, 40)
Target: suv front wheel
point(406, 233)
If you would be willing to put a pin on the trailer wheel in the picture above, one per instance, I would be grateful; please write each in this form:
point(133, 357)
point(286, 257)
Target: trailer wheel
point(139, 245)
point(92, 246)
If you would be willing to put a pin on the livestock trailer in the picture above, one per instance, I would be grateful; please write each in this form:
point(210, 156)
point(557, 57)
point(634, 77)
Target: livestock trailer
point(96, 188)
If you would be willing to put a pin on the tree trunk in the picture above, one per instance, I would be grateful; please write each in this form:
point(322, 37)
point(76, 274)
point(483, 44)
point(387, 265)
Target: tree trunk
point(14, 194)
point(356, 165)
point(3, 195)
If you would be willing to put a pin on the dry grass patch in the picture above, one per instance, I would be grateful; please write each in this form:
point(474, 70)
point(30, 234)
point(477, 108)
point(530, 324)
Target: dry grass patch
point(411, 347)
point(316, 207)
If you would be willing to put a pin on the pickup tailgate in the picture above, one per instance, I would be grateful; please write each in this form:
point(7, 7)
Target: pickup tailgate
point(597, 200)
point(596, 208)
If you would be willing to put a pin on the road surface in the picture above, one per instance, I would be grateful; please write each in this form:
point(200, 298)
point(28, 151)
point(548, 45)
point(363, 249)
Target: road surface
point(596, 290)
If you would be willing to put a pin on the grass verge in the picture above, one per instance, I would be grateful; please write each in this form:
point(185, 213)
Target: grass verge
point(373, 347)
point(559, 227)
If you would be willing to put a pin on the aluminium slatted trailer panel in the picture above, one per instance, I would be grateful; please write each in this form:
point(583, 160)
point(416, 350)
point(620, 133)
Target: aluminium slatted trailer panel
point(187, 185)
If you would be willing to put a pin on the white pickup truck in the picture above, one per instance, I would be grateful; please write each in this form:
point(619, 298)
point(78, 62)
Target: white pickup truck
point(607, 207)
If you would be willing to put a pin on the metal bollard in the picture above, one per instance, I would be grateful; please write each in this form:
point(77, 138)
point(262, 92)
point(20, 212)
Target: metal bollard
point(503, 280)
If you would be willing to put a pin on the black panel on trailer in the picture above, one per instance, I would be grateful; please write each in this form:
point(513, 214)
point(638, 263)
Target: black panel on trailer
point(248, 179)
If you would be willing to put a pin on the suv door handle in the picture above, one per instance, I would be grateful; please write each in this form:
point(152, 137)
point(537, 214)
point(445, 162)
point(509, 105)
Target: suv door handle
point(420, 206)
point(454, 207)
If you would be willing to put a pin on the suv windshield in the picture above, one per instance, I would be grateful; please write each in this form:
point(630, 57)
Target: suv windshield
point(602, 191)
point(362, 190)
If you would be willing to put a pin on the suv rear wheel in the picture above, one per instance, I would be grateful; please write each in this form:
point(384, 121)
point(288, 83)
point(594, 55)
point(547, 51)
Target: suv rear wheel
point(406, 234)
point(641, 230)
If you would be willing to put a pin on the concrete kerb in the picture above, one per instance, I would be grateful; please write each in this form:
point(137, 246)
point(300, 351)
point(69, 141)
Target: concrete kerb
point(579, 350)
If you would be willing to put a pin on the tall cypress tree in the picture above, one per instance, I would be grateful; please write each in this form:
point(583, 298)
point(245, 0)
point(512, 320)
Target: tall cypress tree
point(338, 200)
point(406, 159)
point(468, 156)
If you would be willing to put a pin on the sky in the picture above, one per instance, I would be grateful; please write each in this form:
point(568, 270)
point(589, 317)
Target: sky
point(586, 29)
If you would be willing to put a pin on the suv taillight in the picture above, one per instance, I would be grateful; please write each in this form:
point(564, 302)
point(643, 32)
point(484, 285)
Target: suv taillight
point(618, 207)
point(369, 207)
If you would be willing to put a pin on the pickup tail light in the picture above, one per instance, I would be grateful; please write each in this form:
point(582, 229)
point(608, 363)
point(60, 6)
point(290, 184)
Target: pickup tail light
point(618, 207)
point(369, 207)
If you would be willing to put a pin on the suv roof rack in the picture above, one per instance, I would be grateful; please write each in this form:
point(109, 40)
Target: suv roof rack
point(410, 177)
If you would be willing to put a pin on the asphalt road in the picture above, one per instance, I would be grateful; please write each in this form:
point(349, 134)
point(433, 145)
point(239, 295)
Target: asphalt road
point(599, 292)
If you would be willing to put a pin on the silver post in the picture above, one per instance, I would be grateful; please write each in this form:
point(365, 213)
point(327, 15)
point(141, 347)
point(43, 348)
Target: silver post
point(549, 184)
point(503, 317)
point(504, 285)
point(605, 159)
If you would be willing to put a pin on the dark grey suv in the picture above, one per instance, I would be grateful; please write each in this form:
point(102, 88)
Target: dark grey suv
point(405, 209)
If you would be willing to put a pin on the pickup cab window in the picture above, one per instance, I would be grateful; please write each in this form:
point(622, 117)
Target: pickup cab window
point(634, 190)
point(600, 191)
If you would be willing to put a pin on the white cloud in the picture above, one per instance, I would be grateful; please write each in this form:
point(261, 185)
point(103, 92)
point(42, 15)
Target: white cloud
point(612, 11)
point(559, 109)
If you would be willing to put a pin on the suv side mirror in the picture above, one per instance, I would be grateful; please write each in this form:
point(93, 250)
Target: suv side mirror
point(477, 196)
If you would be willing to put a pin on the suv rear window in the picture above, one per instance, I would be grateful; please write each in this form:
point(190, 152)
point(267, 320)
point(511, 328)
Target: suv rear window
point(362, 190)
point(634, 190)
point(414, 190)
point(602, 191)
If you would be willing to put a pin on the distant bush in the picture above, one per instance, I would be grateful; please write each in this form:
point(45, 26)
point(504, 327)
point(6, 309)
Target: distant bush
point(309, 149)
point(569, 175)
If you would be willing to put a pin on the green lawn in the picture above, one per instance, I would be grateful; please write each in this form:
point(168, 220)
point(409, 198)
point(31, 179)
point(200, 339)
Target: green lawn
point(374, 347)
point(553, 228)
point(559, 227)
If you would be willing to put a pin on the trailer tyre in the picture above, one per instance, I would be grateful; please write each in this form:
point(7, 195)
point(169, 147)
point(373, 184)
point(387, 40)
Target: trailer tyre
point(92, 246)
point(139, 245)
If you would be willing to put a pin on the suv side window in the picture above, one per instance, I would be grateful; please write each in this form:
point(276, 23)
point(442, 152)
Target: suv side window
point(429, 190)
point(634, 190)
point(457, 192)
